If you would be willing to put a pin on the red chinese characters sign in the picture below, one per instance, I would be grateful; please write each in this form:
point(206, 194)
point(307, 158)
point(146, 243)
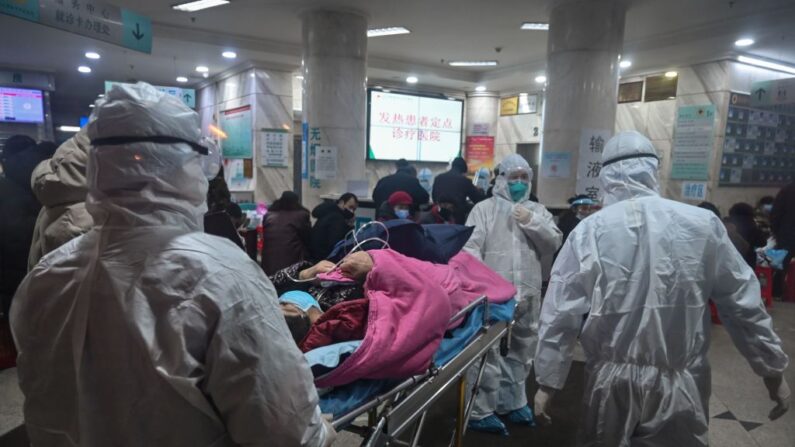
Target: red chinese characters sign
point(479, 153)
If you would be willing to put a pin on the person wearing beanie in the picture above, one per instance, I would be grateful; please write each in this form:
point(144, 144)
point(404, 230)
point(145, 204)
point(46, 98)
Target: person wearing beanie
point(456, 186)
point(398, 206)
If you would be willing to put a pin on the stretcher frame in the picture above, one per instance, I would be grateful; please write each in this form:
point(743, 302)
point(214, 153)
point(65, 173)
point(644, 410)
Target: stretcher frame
point(405, 406)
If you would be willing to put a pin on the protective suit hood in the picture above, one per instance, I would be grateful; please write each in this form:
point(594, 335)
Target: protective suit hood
point(629, 168)
point(145, 183)
point(510, 163)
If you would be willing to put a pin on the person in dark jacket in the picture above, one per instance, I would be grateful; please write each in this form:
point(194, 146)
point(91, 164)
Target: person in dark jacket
point(18, 211)
point(405, 179)
point(285, 233)
point(217, 220)
point(581, 206)
point(334, 221)
point(442, 212)
point(455, 185)
point(398, 206)
point(782, 220)
point(741, 215)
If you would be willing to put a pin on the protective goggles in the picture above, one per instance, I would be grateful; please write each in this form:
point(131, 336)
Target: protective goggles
point(118, 141)
point(629, 157)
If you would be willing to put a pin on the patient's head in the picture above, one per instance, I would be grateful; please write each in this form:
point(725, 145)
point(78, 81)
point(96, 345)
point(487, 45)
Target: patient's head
point(300, 310)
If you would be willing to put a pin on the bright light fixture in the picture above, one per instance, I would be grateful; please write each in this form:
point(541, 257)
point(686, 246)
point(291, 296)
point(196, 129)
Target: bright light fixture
point(198, 5)
point(541, 79)
point(472, 63)
point(91, 106)
point(182, 79)
point(205, 75)
point(229, 54)
point(766, 64)
point(671, 74)
point(92, 55)
point(84, 69)
point(299, 77)
point(625, 64)
point(535, 26)
point(412, 80)
point(101, 95)
point(744, 42)
point(389, 31)
point(69, 128)
point(480, 88)
point(202, 68)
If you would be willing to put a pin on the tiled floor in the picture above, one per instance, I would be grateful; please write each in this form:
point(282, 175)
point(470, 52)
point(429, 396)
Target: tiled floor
point(739, 404)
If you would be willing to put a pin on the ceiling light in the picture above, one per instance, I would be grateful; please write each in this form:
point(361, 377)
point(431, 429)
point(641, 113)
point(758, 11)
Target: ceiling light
point(480, 88)
point(452, 99)
point(412, 80)
point(625, 64)
point(91, 106)
point(69, 128)
point(299, 77)
point(535, 26)
point(541, 79)
point(182, 79)
point(766, 64)
point(101, 95)
point(390, 31)
point(229, 54)
point(671, 74)
point(198, 5)
point(205, 75)
point(92, 55)
point(472, 63)
point(744, 42)
point(202, 68)
point(84, 69)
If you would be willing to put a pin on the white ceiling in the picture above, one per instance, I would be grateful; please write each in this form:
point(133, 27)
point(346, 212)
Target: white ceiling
point(659, 34)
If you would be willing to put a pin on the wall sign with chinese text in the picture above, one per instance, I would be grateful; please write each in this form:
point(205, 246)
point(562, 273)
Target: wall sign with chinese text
point(325, 162)
point(556, 164)
point(696, 191)
point(236, 123)
point(273, 147)
point(90, 18)
point(692, 148)
point(589, 162)
point(479, 153)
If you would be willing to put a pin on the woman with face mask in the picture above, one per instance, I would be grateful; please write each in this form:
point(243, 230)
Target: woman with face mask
point(398, 206)
point(511, 235)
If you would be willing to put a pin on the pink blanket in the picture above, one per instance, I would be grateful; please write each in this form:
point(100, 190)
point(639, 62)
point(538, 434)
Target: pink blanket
point(411, 303)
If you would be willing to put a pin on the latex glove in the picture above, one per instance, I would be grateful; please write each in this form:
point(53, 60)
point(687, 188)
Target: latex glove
point(522, 214)
point(780, 394)
point(320, 267)
point(541, 404)
point(357, 265)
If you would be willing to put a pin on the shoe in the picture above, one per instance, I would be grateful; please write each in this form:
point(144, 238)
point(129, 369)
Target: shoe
point(489, 424)
point(522, 416)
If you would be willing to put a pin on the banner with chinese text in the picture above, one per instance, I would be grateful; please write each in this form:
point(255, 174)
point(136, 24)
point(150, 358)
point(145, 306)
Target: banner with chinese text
point(589, 162)
point(479, 153)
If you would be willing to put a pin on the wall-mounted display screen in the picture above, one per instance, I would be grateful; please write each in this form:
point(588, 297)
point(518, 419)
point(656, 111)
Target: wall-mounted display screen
point(417, 128)
point(19, 105)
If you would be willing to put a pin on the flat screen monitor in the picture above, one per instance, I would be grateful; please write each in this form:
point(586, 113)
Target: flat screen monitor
point(414, 127)
point(19, 105)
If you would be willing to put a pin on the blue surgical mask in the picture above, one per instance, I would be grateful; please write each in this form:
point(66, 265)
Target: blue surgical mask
point(301, 300)
point(518, 189)
point(767, 208)
point(402, 214)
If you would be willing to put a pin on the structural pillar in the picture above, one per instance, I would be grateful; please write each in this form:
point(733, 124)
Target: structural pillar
point(583, 51)
point(482, 113)
point(334, 65)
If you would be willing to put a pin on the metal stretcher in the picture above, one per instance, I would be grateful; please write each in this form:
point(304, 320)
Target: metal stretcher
point(405, 406)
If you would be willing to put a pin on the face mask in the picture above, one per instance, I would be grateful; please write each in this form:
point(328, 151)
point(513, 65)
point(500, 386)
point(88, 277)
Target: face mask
point(402, 214)
point(347, 214)
point(301, 300)
point(767, 208)
point(445, 213)
point(518, 189)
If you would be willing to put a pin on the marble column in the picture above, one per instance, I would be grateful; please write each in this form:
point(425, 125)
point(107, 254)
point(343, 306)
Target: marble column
point(334, 64)
point(583, 50)
point(482, 108)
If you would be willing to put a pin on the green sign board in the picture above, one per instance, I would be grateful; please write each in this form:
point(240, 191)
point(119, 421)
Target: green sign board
point(186, 95)
point(693, 137)
point(90, 18)
point(236, 124)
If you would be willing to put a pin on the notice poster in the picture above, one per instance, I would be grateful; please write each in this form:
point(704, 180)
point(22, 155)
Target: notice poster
point(589, 163)
point(696, 191)
point(693, 136)
point(273, 147)
point(509, 106)
point(479, 153)
point(236, 124)
point(556, 165)
point(239, 174)
point(325, 162)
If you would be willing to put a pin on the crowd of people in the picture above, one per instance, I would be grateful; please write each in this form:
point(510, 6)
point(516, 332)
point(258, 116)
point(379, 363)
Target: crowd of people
point(140, 319)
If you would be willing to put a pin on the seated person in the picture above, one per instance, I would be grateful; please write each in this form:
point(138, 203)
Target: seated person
point(442, 212)
point(398, 206)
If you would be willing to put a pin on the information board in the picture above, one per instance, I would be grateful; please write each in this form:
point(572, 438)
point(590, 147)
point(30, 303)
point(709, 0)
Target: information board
point(759, 147)
point(693, 138)
point(236, 124)
point(19, 105)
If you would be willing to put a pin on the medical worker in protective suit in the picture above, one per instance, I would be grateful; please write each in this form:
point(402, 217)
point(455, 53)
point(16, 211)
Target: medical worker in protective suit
point(643, 270)
point(145, 331)
point(511, 235)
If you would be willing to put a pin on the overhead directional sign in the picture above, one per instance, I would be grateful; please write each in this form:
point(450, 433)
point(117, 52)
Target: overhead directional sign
point(187, 95)
point(91, 18)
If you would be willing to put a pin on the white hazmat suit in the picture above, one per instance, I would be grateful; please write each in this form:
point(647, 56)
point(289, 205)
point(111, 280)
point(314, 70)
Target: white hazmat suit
point(513, 250)
point(642, 270)
point(145, 331)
